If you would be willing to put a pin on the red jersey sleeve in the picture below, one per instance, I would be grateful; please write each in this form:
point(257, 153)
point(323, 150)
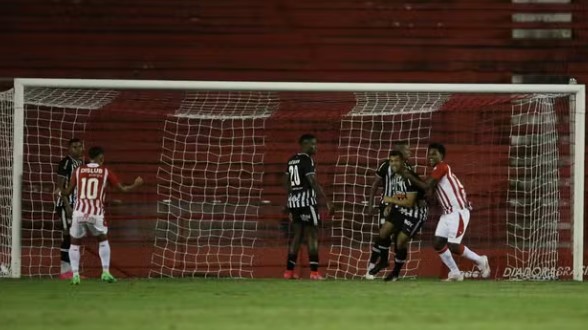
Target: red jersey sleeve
point(113, 180)
point(439, 171)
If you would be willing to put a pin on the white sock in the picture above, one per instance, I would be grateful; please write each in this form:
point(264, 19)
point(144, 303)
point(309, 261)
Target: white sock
point(471, 255)
point(104, 252)
point(447, 259)
point(74, 258)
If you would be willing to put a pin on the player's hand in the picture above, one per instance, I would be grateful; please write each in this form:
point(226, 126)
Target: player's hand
point(387, 210)
point(290, 217)
point(57, 193)
point(331, 209)
point(138, 181)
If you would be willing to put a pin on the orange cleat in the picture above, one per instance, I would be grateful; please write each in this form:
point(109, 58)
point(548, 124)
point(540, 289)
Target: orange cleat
point(66, 276)
point(316, 276)
point(290, 275)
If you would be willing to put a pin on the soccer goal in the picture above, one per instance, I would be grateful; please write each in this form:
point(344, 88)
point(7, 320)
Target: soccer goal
point(213, 154)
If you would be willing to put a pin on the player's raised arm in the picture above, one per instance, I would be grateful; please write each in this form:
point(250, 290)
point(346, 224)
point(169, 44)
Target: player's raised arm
point(126, 188)
point(427, 185)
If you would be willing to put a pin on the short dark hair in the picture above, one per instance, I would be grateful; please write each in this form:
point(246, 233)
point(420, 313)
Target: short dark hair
point(305, 137)
point(396, 153)
point(439, 147)
point(95, 152)
point(72, 141)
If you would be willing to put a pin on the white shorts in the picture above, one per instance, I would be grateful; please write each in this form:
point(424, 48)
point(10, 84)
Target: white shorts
point(453, 225)
point(82, 223)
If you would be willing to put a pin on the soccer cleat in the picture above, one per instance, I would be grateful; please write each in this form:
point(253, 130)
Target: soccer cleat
point(381, 265)
point(484, 267)
point(316, 276)
point(66, 276)
point(454, 277)
point(391, 278)
point(290, 275)
point(107, 277)
point(369, 276)
point(75, 279)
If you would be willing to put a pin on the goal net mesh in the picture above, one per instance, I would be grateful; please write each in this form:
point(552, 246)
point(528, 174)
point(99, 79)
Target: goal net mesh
point(214, 161)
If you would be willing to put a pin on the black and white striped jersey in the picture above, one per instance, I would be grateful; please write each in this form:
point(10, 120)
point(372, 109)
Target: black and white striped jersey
point(386, 174)
point(65, 169)
point(403, 186)
point(300, 166)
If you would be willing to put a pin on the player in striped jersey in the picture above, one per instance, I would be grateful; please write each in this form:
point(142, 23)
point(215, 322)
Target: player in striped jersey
point(90, 182)
point(456, 208)
point(303, 190)
point(63, 206)
point(406, 212)
point(384, 176)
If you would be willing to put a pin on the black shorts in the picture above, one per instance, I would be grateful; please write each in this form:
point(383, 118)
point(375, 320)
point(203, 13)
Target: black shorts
point(306, 215)
point(65, 220)
point(403, 223)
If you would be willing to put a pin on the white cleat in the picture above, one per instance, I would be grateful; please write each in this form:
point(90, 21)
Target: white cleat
point(454, 277)
point(369, 276)
point(484, 267)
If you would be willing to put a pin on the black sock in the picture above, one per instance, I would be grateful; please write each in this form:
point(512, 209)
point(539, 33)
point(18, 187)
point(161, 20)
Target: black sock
point(384, 245)
point(314, 261)
point(399, 261)
point(291, 261)
point(375, 253)
point(65, 249)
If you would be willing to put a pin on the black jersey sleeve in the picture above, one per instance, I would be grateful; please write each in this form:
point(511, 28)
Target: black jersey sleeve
point(64, 167)
point(382, 169)
point(306, 166)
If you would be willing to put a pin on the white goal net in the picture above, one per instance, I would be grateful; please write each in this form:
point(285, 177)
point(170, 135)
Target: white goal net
point(212, 155)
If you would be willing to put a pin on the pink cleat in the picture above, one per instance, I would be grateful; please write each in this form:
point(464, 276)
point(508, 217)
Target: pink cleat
point(316, 276)
point(66, 275)
point(290, 275)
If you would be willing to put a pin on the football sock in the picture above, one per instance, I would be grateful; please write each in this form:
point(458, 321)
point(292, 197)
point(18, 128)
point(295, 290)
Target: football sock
point(291, 261)
point(74, 257)
point(447, 259)
point(104, 252)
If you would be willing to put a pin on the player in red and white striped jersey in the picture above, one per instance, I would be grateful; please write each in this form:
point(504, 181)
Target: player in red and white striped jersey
point(90, 182)
point(456, 214)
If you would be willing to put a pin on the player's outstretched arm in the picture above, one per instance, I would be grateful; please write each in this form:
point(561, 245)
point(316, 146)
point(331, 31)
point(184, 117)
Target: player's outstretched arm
point(409, 201)
point(427, 185)
point(321, 193)
point(126, 188)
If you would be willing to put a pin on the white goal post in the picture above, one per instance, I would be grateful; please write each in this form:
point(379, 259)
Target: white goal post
point(578, 129)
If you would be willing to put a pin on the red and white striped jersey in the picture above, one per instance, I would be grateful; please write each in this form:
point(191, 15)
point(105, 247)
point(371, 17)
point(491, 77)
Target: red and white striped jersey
point(90, 183)
point(450, 191)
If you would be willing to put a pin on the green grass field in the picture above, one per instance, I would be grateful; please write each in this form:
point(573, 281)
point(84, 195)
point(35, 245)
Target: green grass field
point(301, 305)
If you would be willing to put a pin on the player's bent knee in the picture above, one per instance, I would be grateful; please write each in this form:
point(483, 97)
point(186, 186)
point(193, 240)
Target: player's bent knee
point(439, 242)
point(455, 248)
